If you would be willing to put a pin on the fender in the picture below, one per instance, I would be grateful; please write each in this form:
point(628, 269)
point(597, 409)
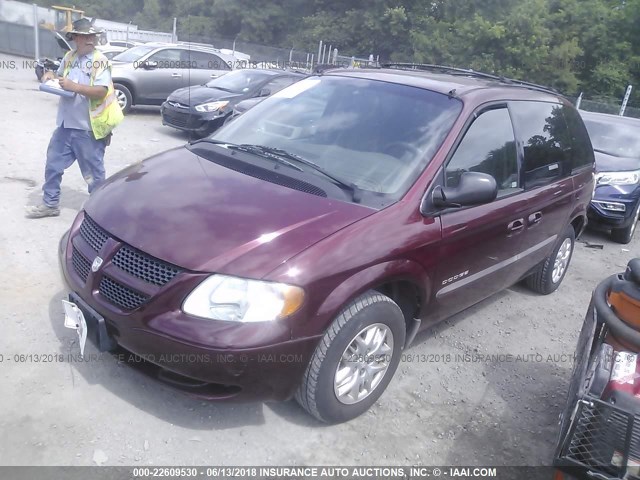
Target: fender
point(360, 282)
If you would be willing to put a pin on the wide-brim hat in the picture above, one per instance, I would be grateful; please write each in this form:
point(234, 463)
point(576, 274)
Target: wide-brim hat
point(83, 26)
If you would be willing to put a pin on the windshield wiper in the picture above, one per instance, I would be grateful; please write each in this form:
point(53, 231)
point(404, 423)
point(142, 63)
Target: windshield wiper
point(605, 152)
point(356, 192)
point(265, 153)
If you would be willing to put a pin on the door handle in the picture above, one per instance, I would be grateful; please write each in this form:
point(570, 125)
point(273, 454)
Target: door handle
point(535, 218)
point(213, 75)
point(516, 225)
point(176, 75)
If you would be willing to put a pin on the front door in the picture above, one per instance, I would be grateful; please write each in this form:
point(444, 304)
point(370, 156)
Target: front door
point(166, 73)
point(480, 244)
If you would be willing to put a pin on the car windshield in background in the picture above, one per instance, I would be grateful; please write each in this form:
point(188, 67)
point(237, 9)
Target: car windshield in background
point(618, 139)
point(239, 81)
point(375, 135)
point(133, 54)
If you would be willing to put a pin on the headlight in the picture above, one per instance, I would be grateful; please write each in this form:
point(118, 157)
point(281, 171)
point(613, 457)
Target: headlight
point(618, 178)
point(234, 299)
point(211, 106)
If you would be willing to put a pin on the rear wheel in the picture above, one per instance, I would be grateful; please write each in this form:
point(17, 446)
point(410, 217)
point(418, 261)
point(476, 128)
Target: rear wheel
point(124, 97)
point(549, 275)
point(624, 235)
point(355, 360)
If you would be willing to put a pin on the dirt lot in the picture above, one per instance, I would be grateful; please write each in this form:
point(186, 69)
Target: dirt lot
point(435, 412)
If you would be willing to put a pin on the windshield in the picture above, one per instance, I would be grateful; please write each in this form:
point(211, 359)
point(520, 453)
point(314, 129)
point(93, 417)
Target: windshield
point(376, 135)
point(133, 54)
point(615, 138)
point(239, 81)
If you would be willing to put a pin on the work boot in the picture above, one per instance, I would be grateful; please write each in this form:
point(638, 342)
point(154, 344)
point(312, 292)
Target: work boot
point(41, 211)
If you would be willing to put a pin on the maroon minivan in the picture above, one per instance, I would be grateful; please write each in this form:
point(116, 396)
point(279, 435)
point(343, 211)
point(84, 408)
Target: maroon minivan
point(298, 250)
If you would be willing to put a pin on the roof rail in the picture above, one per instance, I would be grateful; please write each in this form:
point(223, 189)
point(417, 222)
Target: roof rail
point(471, 73)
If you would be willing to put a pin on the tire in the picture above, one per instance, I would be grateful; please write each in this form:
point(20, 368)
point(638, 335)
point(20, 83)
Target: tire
point(624, 235)
point(124, 97)
point(371, 315)
point(549, 275)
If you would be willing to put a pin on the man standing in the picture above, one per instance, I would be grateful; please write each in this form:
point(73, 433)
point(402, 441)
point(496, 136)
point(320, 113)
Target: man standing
point(85, 120)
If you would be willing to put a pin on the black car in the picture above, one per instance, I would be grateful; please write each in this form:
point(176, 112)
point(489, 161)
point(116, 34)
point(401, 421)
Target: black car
point(616, 200)
point(203, 109)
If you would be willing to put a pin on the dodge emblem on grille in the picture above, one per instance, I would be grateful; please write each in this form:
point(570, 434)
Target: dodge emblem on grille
point(96, 264)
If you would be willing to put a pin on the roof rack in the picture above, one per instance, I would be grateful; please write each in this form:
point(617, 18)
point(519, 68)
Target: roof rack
point(471, 73)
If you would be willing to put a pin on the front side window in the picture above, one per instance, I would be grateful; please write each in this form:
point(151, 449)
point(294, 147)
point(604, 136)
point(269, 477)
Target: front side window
point(167, 57)
point(239, 81)
point(133, 54)
point(206, 61)
point(376, 135)
point(489, 147)
point(279, 83)
point(547, 141)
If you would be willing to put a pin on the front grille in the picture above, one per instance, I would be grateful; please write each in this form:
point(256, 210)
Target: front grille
point(120, 295)
point(178, 119)
point(129, 260)
point(95, 236)
point(144, 267)
point(81, 265)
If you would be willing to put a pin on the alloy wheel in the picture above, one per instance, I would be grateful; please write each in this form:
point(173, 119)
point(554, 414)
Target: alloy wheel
point(561, 261)
point(363, 364)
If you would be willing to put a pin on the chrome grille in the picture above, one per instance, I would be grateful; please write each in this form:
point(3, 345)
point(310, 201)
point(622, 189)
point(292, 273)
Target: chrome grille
point(144, 267)
point(92, 233)
point(81, 265)
point(120, 295)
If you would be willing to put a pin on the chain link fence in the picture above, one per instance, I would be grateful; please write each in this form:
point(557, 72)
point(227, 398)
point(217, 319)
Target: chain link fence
point(608, 105)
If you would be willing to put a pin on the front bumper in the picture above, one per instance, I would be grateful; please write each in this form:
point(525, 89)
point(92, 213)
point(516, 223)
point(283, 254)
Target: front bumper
point(189, 120)
point(212, 359)
point(601, 215)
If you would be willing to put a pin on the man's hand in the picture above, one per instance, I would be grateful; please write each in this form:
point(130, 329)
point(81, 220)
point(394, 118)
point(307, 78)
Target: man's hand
point(48, 75)
point(68, 85)
point(94, 93)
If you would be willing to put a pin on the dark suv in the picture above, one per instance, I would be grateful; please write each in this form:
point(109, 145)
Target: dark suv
point(298, 250)
point(616, 200)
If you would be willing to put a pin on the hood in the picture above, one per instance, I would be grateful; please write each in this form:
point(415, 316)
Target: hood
point(201, 216)
point(611, 163)
point(200, 94)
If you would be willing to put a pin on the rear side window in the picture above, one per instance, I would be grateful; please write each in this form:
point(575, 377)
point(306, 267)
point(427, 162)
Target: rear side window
point(581, 151)
point(546, 141)
point(489, 147)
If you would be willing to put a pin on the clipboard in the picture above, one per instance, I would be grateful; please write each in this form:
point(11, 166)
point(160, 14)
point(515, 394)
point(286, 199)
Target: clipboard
point(50, 86)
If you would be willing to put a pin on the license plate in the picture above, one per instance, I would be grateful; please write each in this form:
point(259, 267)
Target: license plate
point(74, 318)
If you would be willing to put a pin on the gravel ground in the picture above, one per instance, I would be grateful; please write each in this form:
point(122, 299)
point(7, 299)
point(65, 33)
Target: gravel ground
point(440, 408)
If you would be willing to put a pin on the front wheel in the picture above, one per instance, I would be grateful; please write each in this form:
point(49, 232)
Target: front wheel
point(549, 275)
point(624, 235)
point(355, 360)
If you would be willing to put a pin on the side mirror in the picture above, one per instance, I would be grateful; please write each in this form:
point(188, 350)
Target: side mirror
point(265, 92)
point(474, 188)
point(150, 65)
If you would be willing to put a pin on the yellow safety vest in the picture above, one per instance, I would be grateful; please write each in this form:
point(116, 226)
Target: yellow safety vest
point(104, 114)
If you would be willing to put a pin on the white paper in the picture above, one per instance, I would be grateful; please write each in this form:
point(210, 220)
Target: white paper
point(624, 367)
